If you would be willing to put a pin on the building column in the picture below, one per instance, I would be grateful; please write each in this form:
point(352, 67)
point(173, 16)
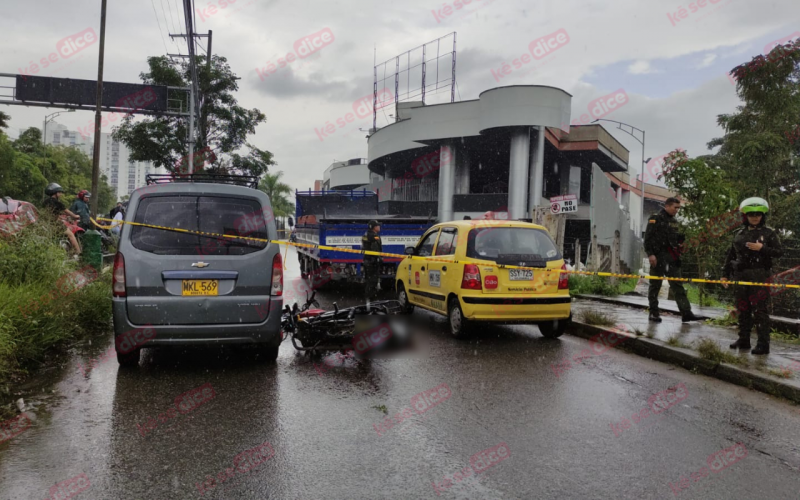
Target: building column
point(447, 180)
point(462, 174)
point(518, 173)
point(536, 177)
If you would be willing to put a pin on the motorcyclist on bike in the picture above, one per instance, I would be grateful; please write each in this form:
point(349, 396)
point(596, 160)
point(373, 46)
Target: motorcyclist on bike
point(52, 203)
point(81, 207)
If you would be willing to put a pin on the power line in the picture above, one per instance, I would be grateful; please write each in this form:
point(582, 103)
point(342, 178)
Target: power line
point(172, 25)
point(169, 26)
point(177, 10)
point(152, 2)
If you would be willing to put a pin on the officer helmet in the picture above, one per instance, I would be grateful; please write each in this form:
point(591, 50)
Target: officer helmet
point(373, 223)
point(52, 189)
point(754, 205)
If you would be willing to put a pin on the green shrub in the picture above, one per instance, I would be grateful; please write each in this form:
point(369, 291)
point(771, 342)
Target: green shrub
point(43, 306)
point(591, 285)
point(693, 294)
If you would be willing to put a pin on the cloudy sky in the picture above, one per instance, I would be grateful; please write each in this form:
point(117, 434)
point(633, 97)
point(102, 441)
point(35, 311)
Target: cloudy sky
point(671, 57)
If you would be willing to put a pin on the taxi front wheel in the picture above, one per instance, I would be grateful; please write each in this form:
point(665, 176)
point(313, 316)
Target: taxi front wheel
point(402, 297)
point(459, 325)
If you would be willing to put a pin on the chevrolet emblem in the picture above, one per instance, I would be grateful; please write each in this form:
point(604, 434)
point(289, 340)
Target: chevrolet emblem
point(200, 265)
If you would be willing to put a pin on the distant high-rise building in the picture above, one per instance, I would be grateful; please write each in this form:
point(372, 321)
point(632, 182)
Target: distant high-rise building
point(124, 174)
point(59, 135)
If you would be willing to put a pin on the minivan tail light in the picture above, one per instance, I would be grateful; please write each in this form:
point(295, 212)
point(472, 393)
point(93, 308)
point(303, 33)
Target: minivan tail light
point(277, 275)
point(472, 277)
point(563, 279)
point(118, 287)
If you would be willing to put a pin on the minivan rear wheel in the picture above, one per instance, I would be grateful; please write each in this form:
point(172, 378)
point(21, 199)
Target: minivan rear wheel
point(129, 359)
point(268, 354)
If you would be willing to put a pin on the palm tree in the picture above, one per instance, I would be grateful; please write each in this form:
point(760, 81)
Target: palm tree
point(278, 193)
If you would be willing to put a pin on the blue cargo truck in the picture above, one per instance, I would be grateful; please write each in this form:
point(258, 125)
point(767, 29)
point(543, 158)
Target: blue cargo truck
point(339, 219)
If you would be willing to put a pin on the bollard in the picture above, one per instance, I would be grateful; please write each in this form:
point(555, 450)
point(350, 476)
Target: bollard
point(92, 253)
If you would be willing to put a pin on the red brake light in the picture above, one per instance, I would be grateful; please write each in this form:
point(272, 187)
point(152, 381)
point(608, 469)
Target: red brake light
point(118, 286)
point(472, 277)
point(563, 279)
point(277, 275)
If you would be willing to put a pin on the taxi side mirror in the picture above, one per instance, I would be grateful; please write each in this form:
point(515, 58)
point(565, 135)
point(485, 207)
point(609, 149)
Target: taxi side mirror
point(409, 250)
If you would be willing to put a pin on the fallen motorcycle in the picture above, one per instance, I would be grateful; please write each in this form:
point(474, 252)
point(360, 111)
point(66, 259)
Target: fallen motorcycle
point(315, 330)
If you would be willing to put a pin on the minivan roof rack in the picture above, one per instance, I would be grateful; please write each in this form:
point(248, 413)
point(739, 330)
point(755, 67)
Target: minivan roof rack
point(250, 181)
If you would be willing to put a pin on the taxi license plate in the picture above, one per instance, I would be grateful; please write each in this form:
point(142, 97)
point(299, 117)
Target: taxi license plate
point(520, 274)
point(200, 287)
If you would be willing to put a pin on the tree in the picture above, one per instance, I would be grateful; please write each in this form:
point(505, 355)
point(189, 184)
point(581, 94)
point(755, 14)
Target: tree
point(223, 124)
point(757, 150)
point(709, 195)
point(757, 156)
point(4, 119)
point(278, 193)
point(26, 167)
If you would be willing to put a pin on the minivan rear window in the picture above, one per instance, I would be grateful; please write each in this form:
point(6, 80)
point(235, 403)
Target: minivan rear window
point(210, 214)
point(489, 243)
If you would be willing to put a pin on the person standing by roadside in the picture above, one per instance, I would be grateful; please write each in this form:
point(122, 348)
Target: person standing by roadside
point(750, 259)
point(371, 241)
point(662, 241)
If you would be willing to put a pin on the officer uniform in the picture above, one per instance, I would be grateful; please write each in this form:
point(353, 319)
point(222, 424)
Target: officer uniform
point(743, 264)
point(371, 241)
point(663, 240)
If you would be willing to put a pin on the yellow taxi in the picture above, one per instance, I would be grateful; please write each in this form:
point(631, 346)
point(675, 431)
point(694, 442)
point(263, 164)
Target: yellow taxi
point(459, 269)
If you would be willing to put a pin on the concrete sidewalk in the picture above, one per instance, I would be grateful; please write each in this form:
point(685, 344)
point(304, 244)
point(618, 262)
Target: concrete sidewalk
point(670, 306)
point(753, 372)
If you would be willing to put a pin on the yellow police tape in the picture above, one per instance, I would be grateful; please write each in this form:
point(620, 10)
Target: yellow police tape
point(433, 259)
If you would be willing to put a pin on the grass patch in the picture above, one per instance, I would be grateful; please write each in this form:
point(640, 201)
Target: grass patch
point(784, 373)
point(727, 320)
point(708, 349)
point(382, 408)
point(674, 341)
point(596, 285)
point(592, 317)
point(638, 331)
point(786, 338)
point(43, 308)
point(693, 294)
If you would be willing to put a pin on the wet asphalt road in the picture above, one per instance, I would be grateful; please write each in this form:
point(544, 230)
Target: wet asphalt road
point(326, 435)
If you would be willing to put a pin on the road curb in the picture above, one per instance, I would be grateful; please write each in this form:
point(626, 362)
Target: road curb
point(690, 360)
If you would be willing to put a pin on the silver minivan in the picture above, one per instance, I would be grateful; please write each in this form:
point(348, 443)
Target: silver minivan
point(175, 288)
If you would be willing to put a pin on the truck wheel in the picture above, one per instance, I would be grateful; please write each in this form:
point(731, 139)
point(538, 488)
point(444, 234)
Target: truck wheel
point(459, 325)
point(402, 297)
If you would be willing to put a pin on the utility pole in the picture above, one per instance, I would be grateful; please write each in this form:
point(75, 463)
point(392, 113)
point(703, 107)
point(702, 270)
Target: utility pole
point(190, 36)
point(97, 113)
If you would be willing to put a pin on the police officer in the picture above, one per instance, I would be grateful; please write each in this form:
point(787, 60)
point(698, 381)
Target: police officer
point(371, 241)
point(750, 259)
point(662, 241)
